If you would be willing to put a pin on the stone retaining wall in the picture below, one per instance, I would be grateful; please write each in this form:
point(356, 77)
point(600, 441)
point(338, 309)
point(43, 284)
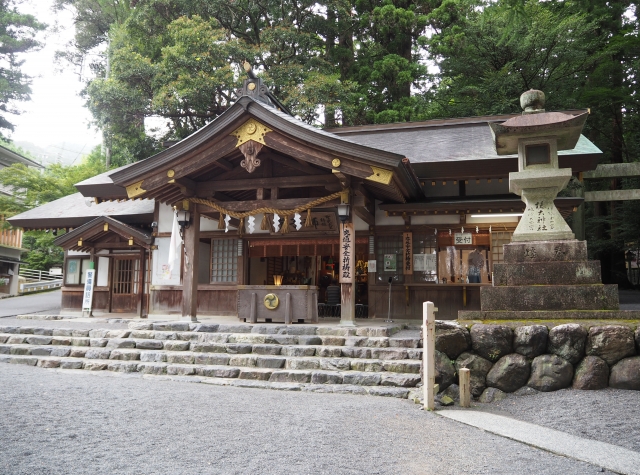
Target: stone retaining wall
point(506, 360)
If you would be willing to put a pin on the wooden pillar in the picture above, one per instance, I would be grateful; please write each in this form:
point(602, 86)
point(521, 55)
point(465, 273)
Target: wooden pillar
point(141, 307)
point(347, 270)
point(190, 274)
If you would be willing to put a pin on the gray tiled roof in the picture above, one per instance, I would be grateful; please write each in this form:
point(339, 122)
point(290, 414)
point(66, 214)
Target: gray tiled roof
point(72, 211)
point(445, 143)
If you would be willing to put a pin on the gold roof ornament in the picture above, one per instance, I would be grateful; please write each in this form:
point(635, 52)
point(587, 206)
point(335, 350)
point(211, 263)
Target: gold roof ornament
point(251, 130)
point(134, 190)
point(380, 175)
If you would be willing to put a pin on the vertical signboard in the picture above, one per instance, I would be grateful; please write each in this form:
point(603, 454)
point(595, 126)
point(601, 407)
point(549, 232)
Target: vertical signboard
point(87, 296)
point(407, 253)
point(347, 253)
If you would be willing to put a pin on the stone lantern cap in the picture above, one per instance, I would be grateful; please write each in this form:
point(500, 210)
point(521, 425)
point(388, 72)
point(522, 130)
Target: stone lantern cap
point(565, 128)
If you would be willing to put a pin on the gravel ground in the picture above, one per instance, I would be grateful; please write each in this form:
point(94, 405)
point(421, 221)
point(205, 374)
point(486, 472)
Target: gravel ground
point(609, 415)
point(55, 422)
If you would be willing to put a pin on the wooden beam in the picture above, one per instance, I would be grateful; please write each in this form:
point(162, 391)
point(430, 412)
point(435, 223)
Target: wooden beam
point(225, 164)
point(187, 186)
point(260, 194)
point(205, 188)
point(116, 245)
point(365, 215)
point(195, 163)
point(295, 149)
point(295, 164)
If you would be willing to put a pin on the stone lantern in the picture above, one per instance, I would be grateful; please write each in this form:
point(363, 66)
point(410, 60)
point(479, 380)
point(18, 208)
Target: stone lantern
point(537, 136)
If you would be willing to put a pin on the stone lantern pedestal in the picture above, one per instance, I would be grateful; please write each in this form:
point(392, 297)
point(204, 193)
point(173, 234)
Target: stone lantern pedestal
point(545, 273)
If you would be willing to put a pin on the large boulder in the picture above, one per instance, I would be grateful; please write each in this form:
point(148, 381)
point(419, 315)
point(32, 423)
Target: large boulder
point(445, 371)
point(492, 395)
point(550, 373)
point(451, 339)
point(567, 341)
point(626, 374)
point(530, 341)
point(591, 373)
point(611, 343)
point(491, 342)
point(638, 339)
point(478, 369)
point(509, 373)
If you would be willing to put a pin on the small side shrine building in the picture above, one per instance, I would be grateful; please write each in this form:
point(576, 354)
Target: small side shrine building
point(273, 211)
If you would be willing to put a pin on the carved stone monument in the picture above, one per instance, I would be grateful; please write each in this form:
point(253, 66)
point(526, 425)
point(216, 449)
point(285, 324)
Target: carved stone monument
point(545, 273)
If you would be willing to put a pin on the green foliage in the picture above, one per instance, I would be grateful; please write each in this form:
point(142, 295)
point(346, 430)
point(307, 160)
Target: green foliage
point(42, 254)
point(17, 35)
point(32, 187)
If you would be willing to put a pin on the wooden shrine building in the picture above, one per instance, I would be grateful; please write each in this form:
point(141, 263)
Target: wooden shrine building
point(272, 211)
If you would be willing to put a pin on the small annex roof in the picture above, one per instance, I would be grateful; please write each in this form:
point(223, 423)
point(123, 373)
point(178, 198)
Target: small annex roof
point(9, 157)
point(431, 144)
point(102, 186)
point(101, 229)
point(72, 211)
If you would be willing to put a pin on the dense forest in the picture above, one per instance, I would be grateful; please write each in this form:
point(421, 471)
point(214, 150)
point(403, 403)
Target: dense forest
point(161, 69)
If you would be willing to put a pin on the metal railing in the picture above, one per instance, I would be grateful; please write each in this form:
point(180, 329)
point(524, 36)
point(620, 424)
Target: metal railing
point(38, 280)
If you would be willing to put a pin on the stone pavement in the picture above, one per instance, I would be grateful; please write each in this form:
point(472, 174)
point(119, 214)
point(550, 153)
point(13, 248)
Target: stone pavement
point(611, 457)
point(48, 302)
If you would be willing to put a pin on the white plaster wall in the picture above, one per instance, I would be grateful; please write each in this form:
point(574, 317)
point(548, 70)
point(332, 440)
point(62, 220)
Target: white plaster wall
point(165, 218)
point(103, 272)
point(208, 224)
point(160, 265)
point(383, 220)
point(359, 224)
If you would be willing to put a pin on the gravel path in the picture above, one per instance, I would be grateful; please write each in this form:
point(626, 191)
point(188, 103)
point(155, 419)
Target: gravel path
point(54, 422)
point(609, 415)
point(43, 302)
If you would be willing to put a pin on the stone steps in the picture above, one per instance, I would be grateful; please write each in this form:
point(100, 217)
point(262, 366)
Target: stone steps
point(309, 358)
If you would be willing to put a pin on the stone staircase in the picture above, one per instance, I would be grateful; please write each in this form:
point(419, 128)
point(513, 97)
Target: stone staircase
point(382, 361)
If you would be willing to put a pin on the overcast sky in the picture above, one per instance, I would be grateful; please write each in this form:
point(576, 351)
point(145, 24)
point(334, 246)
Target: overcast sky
point(55, 113)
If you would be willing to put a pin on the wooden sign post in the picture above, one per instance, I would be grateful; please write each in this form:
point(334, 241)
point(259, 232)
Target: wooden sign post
point(347, 270)
point(429, 354)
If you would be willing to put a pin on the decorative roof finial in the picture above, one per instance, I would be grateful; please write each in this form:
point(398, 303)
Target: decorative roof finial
point(532, 101)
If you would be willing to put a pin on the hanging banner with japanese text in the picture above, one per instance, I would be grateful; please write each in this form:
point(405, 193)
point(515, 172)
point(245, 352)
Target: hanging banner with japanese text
point(347, 253)
point(407, 253)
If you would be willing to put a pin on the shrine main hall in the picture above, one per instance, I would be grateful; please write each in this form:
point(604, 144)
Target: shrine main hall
point(275, 215)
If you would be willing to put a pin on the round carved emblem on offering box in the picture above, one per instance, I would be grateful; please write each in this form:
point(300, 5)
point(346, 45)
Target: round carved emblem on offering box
point(271, 301)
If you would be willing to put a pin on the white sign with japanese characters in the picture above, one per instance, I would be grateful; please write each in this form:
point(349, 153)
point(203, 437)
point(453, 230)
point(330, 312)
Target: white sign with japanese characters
point(87, 296)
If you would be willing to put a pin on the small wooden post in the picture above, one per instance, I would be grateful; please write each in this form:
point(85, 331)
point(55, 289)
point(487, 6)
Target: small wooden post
point(428, 353)
point(465, 387)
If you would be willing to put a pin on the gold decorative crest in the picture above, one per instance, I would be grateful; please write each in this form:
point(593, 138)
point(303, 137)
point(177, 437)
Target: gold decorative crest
point(335, 163)
point(380, 175)
point(271, 301)
point(251, 130)
point(135, 190)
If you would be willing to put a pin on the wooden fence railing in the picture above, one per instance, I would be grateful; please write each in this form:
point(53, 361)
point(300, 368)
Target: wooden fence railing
point(11, 237)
